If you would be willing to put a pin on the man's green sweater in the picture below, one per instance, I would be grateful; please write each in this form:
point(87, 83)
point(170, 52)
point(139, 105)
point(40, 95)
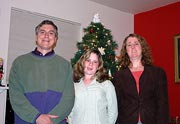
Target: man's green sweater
point(41, 85)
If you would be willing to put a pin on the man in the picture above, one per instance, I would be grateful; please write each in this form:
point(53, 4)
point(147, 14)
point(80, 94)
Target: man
point(40, 83)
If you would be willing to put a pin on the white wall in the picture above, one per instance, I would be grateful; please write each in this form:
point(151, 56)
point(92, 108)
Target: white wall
point(80, 11)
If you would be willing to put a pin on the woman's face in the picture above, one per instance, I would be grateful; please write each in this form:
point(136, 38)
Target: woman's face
point(91, 65)
point(133, 48)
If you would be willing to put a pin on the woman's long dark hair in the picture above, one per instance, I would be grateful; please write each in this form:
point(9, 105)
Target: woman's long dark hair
point(146, 52)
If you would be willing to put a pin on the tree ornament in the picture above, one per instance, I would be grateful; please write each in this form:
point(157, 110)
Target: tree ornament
point(101, 50)
point(93, 41)
point(85, 48)
point(109, 42)
point(91, 31)
point(110, 56)
point(96, 18)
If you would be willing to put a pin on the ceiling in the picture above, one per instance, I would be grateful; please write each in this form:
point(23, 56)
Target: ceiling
point(134, 6)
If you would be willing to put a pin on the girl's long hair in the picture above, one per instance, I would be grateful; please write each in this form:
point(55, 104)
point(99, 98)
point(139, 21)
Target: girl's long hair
point(78, 70)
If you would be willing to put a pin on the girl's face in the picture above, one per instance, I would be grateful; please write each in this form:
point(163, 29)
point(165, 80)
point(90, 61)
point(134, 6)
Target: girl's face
point(133, 48)
point(91, 65)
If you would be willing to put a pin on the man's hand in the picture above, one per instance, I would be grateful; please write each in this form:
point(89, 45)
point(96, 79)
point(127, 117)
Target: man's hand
point(45, 119)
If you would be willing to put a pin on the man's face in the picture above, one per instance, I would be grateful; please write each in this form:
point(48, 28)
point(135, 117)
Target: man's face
point(46, 38)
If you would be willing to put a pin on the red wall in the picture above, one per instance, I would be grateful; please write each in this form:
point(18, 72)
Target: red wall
point(159, 26)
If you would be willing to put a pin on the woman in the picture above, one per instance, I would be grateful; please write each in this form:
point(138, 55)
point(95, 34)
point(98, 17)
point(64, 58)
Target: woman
point(95, 98)
point(141, 87)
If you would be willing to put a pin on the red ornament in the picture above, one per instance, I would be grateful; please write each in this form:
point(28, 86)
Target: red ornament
point(85, 48)
point(1, 75)
point(109, 57)
point(91, 30)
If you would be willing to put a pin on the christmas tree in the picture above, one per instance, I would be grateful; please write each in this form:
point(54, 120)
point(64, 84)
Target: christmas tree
point(98, 37)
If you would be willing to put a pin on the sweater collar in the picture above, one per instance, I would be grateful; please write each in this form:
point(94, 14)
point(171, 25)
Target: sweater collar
point(38, 53)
